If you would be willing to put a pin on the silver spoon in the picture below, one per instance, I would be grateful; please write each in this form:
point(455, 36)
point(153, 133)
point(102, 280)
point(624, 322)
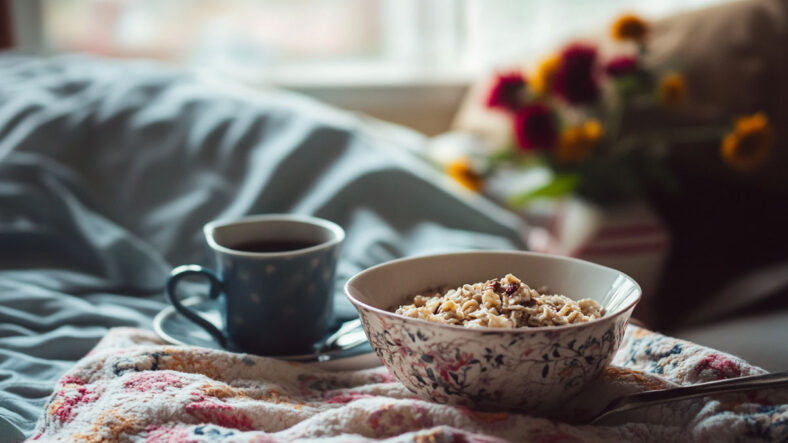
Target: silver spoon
point(648, 398)
point(348, 335)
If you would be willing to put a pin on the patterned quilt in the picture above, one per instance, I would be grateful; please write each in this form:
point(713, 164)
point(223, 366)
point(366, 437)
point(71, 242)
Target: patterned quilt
point(133, 387)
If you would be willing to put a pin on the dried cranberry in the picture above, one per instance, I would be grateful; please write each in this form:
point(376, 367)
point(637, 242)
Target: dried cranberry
point(495, 285)
point(512, 288)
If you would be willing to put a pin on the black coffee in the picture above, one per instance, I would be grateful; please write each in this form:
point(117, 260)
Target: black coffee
point(273, 245)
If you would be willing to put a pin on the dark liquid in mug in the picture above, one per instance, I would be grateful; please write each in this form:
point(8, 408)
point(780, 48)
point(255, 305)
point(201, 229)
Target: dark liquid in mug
point(273, 245)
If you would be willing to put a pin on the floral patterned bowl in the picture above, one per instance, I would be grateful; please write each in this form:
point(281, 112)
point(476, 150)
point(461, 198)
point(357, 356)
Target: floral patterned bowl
point(526, 368)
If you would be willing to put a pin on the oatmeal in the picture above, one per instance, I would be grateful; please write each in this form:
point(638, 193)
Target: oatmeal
point(500, 303)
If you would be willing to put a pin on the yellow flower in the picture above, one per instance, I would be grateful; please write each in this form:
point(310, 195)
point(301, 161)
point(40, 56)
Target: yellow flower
point(542, 80)
point(748, 146)
point(577, 142)
point(629, 27)
point(672, 90)
point(461, 171)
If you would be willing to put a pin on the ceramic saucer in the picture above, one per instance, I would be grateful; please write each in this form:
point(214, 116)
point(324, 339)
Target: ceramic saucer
point(174, 328)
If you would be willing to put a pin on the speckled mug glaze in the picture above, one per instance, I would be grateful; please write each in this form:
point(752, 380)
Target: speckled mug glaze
point(272, 303)
point(527, 368)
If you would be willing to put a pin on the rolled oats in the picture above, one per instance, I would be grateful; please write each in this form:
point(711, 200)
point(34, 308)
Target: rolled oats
point(506, 302)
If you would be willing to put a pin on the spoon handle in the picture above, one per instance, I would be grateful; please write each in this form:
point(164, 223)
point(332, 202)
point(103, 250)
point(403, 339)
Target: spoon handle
point(648, 398)
point(343, 330)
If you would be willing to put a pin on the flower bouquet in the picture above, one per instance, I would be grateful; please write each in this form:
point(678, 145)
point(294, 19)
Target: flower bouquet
point(582, 121)
point(590, 139)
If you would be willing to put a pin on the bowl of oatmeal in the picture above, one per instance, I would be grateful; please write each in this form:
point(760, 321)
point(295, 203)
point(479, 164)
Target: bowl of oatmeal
point(494, 329)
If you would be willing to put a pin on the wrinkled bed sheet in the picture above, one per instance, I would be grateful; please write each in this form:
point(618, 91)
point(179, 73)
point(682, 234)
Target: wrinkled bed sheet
point(108, 170)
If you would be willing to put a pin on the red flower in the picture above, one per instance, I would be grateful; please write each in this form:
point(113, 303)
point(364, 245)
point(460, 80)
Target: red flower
point(575, 80)
point(505, 92)
point(534, 127)
point(621, 65)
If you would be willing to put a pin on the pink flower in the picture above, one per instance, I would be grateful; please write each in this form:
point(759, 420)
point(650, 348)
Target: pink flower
point(73, 396)
point(158, 434)
point(534, 127)
point(575, 80)
point(505, 92)
point(152, 381)
point(721, 366)
point(219, 413)
point(621, 65)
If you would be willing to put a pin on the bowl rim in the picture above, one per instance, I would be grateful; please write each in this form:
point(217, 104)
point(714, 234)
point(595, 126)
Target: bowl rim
point(486, 329)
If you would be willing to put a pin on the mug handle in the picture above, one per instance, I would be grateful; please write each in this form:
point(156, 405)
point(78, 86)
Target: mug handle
point(216, 288)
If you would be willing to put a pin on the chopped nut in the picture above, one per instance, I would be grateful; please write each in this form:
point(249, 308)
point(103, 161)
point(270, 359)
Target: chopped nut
point(470, 306)
point(491, 300)
point(499, 321)
point(449, 306)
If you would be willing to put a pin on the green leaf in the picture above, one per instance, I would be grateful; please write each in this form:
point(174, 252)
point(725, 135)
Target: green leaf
point(561, 185)
point(627, 85)
point(515, 158)
point(504, 155)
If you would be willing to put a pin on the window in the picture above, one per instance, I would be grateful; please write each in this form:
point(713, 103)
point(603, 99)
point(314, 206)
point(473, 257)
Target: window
point(405, 61)
point(388, 41)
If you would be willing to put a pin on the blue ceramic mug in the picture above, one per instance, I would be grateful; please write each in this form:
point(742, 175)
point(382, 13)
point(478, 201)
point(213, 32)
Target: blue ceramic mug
point(274, 275)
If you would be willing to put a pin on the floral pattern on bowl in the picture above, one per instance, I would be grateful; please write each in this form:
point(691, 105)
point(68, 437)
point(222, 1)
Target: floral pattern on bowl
point(531, 368)
point(448, 366)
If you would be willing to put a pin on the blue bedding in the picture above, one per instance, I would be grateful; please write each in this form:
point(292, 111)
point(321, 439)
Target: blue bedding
point(108, 170)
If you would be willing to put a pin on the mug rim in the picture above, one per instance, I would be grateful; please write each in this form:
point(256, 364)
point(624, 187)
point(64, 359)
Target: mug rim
point(336, 230)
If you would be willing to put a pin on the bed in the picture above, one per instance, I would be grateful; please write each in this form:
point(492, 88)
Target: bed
point(109, 169)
